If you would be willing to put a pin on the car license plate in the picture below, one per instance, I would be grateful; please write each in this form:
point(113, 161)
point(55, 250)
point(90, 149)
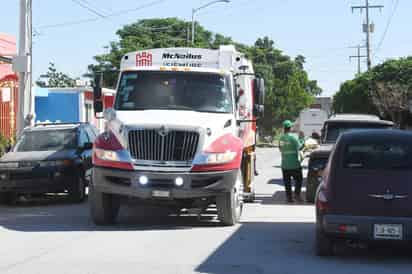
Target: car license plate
point(388, 232)
point(161, 193)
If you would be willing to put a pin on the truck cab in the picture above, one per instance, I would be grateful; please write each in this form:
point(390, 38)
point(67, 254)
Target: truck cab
point(182, 132)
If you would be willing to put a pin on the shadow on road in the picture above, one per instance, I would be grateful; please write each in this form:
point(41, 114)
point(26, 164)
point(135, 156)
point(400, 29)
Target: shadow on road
point(278, 247)
point(58, 215)
point(278, 198)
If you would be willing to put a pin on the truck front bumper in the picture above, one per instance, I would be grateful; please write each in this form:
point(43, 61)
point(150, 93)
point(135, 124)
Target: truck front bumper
point(195, 184)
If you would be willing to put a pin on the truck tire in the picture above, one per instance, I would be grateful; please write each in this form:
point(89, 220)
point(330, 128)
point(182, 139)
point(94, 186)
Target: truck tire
point(323, 245)
point(77, 192)
point(104, 207)
point(230, 204)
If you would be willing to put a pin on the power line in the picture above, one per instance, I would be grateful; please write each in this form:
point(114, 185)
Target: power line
point(387, 26)
point(87, 7)
point(358, 56)
point(89, 20)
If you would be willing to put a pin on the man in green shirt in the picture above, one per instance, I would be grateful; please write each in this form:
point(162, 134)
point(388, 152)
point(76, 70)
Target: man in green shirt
point(290, 146)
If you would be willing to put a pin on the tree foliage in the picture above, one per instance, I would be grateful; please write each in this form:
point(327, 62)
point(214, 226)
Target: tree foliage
point(56, 79)
point(288, 87)
point(385, 90)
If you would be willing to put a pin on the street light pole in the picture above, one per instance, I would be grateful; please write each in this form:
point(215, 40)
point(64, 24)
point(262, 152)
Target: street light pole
point(25, 68)
point(194, 10)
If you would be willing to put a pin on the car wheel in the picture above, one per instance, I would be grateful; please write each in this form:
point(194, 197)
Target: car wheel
point(8, 198)
point(104, 207)
point(324, 246)
point(77, 192)
point(230, 204)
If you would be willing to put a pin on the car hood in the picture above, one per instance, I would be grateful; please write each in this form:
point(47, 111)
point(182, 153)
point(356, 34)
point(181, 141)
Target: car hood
point(38, 156)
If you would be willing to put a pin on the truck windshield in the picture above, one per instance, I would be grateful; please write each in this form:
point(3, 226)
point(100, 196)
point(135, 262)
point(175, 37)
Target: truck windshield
point(202, 92)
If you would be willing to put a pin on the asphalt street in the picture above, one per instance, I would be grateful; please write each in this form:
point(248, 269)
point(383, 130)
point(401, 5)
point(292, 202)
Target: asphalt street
point(52, 236)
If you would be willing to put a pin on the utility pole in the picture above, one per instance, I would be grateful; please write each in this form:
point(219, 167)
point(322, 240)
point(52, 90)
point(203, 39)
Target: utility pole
point(23, 65)
point(358, 56)
point(367, 27)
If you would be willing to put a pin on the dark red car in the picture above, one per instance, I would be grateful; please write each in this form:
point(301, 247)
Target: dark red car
point(366, 193)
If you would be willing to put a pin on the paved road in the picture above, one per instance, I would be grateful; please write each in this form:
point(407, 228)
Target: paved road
point(54, 237)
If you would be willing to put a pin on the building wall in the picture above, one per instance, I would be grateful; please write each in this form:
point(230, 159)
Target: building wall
point(63, 107)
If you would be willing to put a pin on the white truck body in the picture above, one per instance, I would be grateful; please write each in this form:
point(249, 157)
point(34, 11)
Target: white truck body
point(183, 128)
point(310, 121)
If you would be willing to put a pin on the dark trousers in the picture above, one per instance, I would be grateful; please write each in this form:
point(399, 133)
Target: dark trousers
point(297, 175)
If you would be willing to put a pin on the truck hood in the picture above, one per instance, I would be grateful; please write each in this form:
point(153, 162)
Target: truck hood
point(175, 118)
point(214, 124)
point(38, 156)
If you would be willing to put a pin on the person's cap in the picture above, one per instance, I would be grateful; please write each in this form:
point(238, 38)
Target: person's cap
point(287, 124)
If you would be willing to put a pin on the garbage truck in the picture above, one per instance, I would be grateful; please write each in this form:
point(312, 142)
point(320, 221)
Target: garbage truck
point(181, 133)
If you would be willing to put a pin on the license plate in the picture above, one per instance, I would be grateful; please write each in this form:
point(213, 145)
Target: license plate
point(388, 232)
point(161, 193)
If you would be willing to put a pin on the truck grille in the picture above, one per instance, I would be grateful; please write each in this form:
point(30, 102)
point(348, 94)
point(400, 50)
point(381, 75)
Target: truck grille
point(152, 145)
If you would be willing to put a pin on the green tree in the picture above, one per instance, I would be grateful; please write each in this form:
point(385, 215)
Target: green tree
point(385, 90)
point(354, 97)
point(288, 87)
point(56, 79)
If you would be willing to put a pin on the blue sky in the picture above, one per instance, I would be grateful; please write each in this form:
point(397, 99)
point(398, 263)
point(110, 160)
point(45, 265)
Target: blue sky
point(321, 30)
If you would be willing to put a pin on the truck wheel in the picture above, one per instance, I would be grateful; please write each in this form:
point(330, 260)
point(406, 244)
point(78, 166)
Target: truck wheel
point(8, 198)
point(104, 207)
point(77, 191)
point(323, 245)
point(230, 204)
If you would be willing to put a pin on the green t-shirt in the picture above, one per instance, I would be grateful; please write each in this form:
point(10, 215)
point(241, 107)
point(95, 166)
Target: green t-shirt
point(289, 146)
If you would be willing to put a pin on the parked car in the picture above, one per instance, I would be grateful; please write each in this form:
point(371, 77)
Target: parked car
point(366, 193)
point(332, 129)
point(48, 158)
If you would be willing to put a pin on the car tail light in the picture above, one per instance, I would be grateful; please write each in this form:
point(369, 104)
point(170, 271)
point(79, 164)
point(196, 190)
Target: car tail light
point(108, 152)
point(344, 228)
point(225, 153)
point(322, 203)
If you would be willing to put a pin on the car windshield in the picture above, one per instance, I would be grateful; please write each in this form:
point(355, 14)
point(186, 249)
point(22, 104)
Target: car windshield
point(378, 156)
point(174, 90)
point(334, 130)
point(47, 140)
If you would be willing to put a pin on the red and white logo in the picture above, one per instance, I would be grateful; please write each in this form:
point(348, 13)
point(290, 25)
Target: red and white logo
point(144, 59)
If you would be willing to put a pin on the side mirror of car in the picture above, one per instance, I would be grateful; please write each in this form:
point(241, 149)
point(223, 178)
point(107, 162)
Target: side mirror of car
point(97, 93)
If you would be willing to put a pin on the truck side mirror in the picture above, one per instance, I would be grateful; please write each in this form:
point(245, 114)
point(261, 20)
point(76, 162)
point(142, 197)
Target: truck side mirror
point(259, 88)
point(97, 93)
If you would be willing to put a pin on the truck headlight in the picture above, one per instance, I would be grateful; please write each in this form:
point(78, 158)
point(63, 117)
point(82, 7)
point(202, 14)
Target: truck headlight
point(215, 158)
point(220, 158)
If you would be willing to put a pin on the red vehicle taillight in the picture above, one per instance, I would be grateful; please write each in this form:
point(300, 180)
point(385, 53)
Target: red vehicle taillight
point(108, 152)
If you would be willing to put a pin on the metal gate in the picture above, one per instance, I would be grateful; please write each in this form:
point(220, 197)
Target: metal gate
point(8, 106)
